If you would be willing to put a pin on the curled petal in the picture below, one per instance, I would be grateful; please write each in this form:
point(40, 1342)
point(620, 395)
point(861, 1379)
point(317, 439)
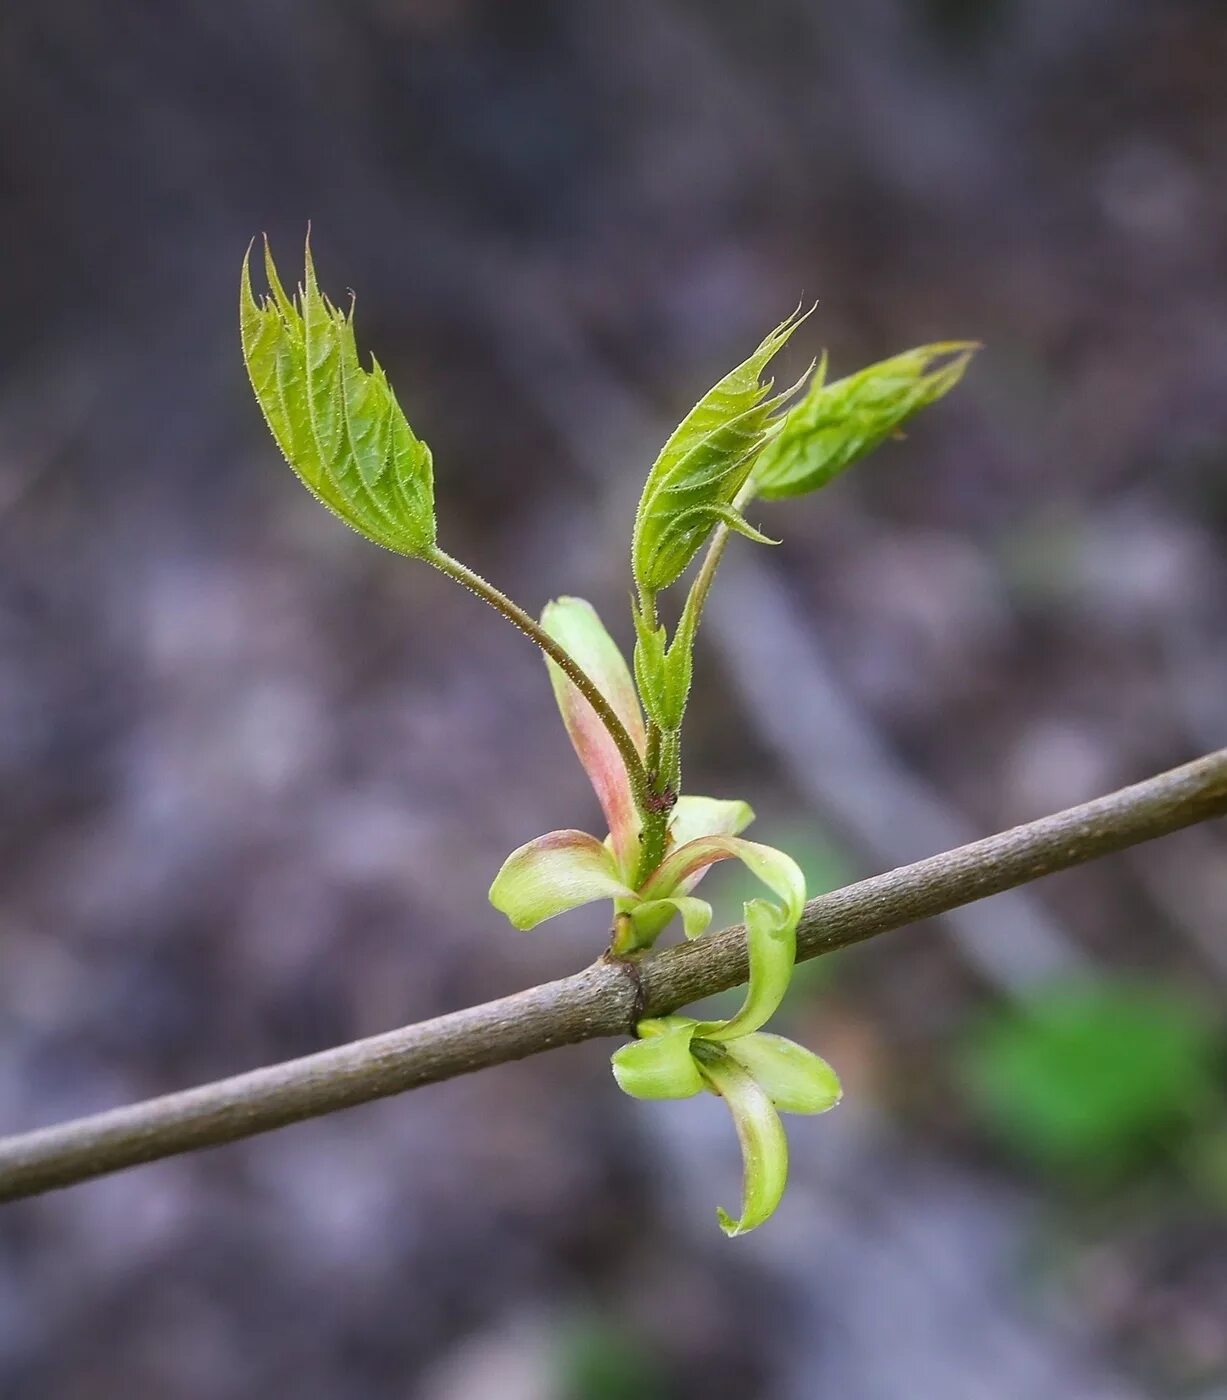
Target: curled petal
point(780, 873)
point(772, 946)
point(554, 873)
point(693, 817)
point(764, 1148)
point(793, 1078)
point(574, 624)
point(771, 929)
point(659, 1065)
point(650, 919)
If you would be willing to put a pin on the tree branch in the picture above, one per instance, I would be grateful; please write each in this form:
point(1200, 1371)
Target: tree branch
point(604, 999)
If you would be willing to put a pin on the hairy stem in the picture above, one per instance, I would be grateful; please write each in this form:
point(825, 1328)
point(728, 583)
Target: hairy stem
point(654, 830)
point(532, 629)
point(701, 587)
point(653, 837)
point(606, 999)
point(654, 827)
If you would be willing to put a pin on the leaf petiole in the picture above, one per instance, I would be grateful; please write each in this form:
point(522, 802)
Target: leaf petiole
point(501, 603)
point(696, 599)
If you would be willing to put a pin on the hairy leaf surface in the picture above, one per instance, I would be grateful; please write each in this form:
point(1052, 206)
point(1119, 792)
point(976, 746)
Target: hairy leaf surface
point(706, 461)
point(339, 425)
point(837, 424)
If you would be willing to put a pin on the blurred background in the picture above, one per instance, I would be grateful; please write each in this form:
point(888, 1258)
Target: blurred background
point(257, 774)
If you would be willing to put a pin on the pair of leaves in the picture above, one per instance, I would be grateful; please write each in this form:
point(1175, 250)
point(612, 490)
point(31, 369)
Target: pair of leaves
point(731, 438)
point(339, 426)
point(702, 467)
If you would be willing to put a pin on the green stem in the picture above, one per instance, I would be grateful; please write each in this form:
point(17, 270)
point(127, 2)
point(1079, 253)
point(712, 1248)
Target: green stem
point(701, 586)
point(532, 629)
point(654, 829)
point(653, 836)
point(651, 758)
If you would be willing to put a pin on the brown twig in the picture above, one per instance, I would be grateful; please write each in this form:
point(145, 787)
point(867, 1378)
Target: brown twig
point(600, 1000)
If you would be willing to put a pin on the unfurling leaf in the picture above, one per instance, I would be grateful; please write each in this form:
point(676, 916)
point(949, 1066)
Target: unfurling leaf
point(693, 817)
point(575, 626)
point(701, 468)
point(339, 425)
point(554, 873)
point(836, 424)
point(659, 1065)
point(771, 929)
point(794, 1078)
point(764, 1147)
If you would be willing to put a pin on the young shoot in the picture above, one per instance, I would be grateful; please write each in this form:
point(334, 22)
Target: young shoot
point(341, 429)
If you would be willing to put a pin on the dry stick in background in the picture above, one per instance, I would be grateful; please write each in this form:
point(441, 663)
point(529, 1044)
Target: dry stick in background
point(607, 998)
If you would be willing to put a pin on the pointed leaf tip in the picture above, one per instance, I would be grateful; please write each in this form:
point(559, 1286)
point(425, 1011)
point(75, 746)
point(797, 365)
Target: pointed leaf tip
point(339, 426)
point(703, 465)
point(837, 424)
point(764, 1146)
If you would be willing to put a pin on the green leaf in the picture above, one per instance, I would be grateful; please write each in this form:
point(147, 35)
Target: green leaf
point(691, 487)
point(554, 873)
point(764, 1148)
point(574, 624)
point(837, 424)
point(659, 1065)
point(339, 426)
point(794, 1078)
